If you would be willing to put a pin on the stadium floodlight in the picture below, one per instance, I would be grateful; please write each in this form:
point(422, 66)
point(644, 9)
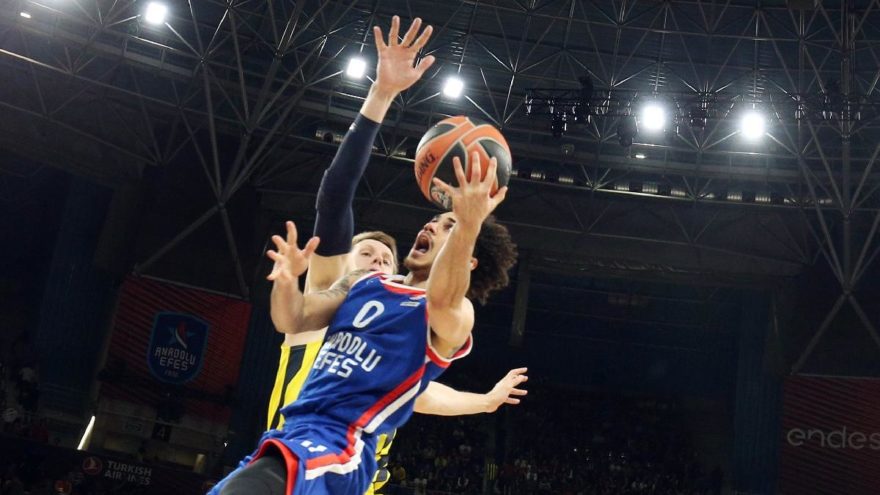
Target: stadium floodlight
point(653, 117)
point(155, 13)
point(87, 435)
point(453, 87)
point(26, 15)
point(356, 69)
point(753, 125)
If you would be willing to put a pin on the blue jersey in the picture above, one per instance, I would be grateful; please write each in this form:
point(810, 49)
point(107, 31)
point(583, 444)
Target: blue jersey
point(375, 360)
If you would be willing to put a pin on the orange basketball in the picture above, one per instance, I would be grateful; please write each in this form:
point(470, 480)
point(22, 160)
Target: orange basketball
point(458, 137)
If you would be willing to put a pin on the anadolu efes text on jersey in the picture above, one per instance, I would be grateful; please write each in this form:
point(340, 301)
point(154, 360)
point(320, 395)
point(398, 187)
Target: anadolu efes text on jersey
point(376, 358)
point(345, 351)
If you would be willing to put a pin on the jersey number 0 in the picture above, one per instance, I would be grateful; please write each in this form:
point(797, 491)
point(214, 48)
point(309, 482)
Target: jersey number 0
point(368, 313)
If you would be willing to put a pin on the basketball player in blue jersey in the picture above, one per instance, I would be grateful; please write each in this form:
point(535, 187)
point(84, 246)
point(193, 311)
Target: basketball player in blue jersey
point(387, 339)
point(375, 251)
point(378, 353)
point(339, 253)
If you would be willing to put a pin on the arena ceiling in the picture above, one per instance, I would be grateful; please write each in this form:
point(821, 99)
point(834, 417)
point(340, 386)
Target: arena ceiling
point(243, 101)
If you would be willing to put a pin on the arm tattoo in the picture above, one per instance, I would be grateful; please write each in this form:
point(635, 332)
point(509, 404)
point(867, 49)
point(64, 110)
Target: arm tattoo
point(341, 287)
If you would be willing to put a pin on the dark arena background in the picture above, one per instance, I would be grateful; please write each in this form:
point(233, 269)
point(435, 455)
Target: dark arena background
point(694, 195)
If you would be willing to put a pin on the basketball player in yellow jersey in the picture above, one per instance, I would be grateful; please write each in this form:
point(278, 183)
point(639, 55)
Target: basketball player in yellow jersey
point(375, 251)
point(338, 254)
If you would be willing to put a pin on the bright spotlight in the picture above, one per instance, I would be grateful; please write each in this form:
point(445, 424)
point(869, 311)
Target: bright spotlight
point(356, 69)
point(752, 125)
point(87, 435)
point(26, 15)
point(653, 117)
point(155, 13)
point(453, 87)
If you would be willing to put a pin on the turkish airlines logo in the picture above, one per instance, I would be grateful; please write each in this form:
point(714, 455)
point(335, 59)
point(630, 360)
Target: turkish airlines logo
point(92, 466)
point(834, 439)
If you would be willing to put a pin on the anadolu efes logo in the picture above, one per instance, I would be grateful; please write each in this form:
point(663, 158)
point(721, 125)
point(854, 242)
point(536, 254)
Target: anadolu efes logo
point(835, 439)
point(177, 347)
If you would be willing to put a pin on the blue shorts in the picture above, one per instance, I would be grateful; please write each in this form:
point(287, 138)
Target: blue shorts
point(320, 461)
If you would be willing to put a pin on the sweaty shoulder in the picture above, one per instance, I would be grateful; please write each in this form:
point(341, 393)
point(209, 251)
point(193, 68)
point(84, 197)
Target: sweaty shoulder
point(345, 283)
point(341, 287)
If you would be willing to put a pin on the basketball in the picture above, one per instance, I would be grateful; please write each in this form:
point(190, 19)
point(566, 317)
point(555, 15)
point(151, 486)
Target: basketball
point(458, 137)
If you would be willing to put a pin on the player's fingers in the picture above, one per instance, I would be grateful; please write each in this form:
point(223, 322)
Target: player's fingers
point(423, 38)
point(411, 32)
point(459, 171)
point(476, 169)
point(491, 172)
point(274, 256)
point(519, 391)
point(449, 190)
point(425, 64)
point(291, 233)
point(311, 246)
point(380, 41)
point(499, 196)
point(511, 400)
point(394, 31)
point(518, 371)
point(280, 243)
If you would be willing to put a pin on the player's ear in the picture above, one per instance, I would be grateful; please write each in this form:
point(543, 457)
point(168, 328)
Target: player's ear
point(474, 264)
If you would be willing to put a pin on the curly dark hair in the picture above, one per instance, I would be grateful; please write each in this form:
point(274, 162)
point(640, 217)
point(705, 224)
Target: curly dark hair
point(496, 254)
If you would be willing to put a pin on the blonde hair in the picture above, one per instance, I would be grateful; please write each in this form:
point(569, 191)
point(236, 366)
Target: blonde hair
point(377, 235)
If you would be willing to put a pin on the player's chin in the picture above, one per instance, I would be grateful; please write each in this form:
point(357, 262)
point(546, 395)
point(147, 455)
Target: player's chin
point(416, 260)
point(410, 261)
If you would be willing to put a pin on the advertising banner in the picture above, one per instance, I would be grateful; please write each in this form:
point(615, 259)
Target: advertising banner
point(175, 347)
point(830, 436)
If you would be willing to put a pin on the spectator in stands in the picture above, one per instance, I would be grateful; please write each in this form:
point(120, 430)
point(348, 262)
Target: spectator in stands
point(28, 388)
point(398, 474)
point(11, 419)
point(12, 484)
point(602, 445)
point(39, 431)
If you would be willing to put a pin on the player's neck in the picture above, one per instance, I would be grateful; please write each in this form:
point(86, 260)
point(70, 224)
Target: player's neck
point(416, 278)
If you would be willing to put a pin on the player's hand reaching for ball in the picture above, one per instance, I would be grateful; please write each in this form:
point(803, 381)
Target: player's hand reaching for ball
point(506, 391)
point(290, 260)
point(472, 200)
point(397, 70)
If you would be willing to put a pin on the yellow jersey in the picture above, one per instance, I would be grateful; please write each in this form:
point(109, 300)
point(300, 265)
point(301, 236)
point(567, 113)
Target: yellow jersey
point(294, 365)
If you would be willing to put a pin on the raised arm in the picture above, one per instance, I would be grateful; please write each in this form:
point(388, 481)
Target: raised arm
point(298, 312)
point(450, 313)
point(442, 400)
point(396, 71)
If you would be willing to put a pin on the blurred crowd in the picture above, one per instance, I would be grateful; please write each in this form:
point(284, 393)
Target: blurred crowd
point(572, 442)
point(559, 441)
point(20, 390)
point(440, 455)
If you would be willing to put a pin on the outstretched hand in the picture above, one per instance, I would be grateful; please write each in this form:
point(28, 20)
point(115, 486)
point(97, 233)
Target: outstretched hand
point(505, 391)
point(290, 261)
point(472, 200)
point(397, 70)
